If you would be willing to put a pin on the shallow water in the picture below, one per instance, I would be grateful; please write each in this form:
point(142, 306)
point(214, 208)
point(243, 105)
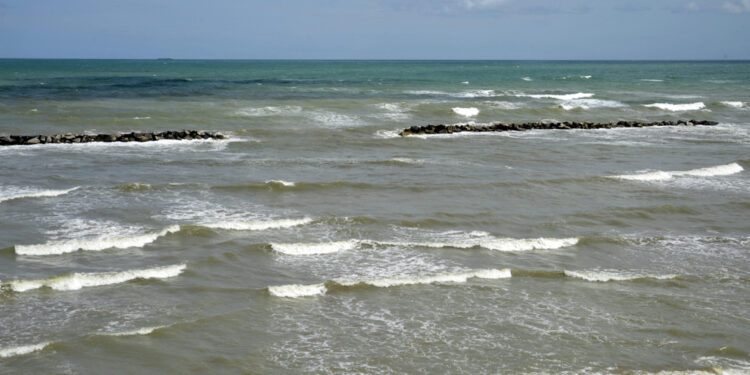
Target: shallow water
point(316, 240)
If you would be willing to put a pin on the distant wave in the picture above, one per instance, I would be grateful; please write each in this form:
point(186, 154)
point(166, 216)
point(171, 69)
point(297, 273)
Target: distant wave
point(268, 111)
point(604, 276)
point(466, 112)
point(77, 281)
point(652, 80)
point(314, 248)
point(462, 94)
point(677, 107)
point(527, 79)
point(578, 95)
point(21, 350)
point(297, 290)
point(719, 170)
point(93, 244)
point(141, 117)
point(34, 194)
point(258, 224)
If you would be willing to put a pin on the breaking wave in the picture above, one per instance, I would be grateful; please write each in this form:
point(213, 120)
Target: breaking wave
point(135, 332)
point(34, 194)
point(314, 248)
point(498, 244)
point(578, 95)
point(719, 170)
point(297, 290)
point(257, 225)
point(604, 276)
point(677, 107)
point(466, 112)
point(77, 281)
point(93, 244)
point(21, 350)
point(280, 183)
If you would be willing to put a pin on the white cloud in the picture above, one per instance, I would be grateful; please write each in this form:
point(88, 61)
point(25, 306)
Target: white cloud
point(736, 7)
point(478, 4)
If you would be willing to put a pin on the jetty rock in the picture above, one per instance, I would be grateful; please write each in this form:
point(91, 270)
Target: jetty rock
point(16, 140)
point(502, 127)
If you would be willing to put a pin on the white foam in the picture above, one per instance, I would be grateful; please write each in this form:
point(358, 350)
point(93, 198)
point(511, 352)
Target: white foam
point(280, 182)
point(465, 82)
point(21, 194)
point(652, 80)
point(719, 170)
point(502, 105)
point(258, 225)
point(21, 350)
point(93, 244)
point(408, 160)
point(586, 77)
point(605, 276)
point(139, 331)
point(297, 290)
point(335, 119)
point(527, 79)
point(466, 112)
point(315, 248)
point(677, 107)
point(142, 118)
point(590, 103)
point(268, 111)
point(425, 92)
point(77, 281)
point(734, 104)
point(578, 95)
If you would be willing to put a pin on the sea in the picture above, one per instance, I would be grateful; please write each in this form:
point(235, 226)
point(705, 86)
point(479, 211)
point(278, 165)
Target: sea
point(316, 240)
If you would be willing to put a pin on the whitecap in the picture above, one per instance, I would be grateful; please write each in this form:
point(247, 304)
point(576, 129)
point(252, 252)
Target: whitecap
point(465, 82)
point(652, 80)
point(408, 160)
point(586, 77)
point(493, 243)
point(590, 103)
point(297, 290)
point(280, 182)
point(31, 193)
point(77, 281)
point(93, 244)
point(605, 276)
point(258, 225)
point(475, 94)
point(135, 332)
point(142, 118)
point(466, 112)
point(314, 248)
point(21, 350)
point(457, 277)
point(719, 170)
point(677, 107)
point(425, 92)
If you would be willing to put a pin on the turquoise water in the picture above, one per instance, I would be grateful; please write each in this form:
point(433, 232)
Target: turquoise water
point(316, 240)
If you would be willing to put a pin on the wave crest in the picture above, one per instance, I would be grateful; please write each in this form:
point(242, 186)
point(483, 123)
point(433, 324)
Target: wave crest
point(314, 248)
point(77, 281)
point(21, 350)
point(677, 107)
point(35, 194)
point(93, 244)
point(258, 225)
point(605, 276)
point(719, 170)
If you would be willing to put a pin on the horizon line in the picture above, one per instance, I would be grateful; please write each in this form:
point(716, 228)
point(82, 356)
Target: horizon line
point(368, 59)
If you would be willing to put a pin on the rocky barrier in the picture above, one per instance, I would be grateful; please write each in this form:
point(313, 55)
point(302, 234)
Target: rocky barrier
point(15, 140)
point(501, 127)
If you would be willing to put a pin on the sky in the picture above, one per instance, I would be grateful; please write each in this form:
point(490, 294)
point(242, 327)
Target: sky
point(376, 29)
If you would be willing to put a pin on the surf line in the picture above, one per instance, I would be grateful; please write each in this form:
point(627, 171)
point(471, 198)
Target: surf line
point(501, 127)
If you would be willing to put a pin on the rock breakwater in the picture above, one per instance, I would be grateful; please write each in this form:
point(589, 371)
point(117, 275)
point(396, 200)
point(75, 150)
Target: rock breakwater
point(501, 127)
point(15, 140)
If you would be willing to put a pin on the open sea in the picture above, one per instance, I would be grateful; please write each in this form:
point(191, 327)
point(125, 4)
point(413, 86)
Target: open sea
point(315, 240)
